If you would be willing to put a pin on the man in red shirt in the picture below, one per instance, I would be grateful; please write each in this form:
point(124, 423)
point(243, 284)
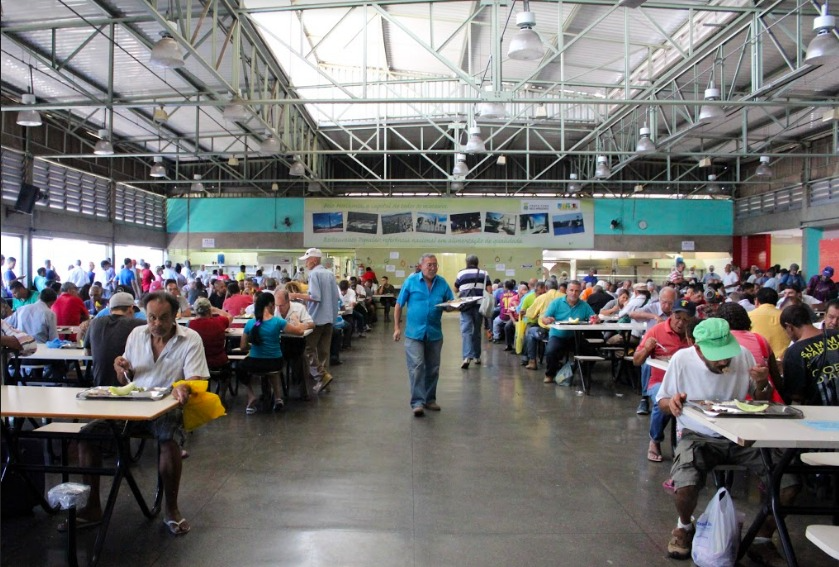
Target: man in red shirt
point(211, 324)
point(236, 302)
point(368, 275)
point(69, 308)
point(662, 341)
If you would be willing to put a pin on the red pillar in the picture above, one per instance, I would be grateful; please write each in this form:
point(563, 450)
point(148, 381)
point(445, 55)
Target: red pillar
point(753, 250)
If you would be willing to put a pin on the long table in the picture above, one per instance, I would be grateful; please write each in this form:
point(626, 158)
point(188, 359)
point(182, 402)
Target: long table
point(61, 403)
point(790, 435)
point(45, 355)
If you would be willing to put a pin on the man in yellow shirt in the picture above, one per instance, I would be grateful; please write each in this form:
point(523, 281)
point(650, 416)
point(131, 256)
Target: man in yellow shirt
point(537, 333)
point(766, 321)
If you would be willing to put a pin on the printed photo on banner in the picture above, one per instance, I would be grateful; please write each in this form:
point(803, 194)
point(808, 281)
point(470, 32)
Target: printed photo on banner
point(534, 223)
point(568, 224)
point(465, 223)
point(503, 223)
point(367, 223)
point(397, 223)
point(327, 222)
point(431, 222)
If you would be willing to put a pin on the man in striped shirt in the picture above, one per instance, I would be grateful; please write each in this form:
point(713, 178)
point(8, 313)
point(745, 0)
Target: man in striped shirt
point(471, 282)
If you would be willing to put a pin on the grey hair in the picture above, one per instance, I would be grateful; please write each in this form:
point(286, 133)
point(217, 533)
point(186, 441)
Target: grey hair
point(471, 261)
point(426, 255)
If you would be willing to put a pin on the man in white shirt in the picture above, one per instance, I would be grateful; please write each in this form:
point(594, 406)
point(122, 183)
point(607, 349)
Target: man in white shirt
point(77, 275)
point(730, 279)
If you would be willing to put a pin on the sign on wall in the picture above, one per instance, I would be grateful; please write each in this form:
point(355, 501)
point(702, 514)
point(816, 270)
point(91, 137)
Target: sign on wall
point(479, 223)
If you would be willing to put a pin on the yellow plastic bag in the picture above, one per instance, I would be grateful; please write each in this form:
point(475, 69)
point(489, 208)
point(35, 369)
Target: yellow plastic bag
point(202, 406)
point(521, 329)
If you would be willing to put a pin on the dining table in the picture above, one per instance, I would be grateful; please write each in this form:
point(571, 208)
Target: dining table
point(45, 355)
point(17, 403)
point(819, 429)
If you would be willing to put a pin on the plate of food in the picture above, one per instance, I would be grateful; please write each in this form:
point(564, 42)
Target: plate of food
point(745, 408)
point(129, 392)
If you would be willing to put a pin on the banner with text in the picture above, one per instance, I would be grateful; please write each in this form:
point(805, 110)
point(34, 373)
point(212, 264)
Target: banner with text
point(480, 223)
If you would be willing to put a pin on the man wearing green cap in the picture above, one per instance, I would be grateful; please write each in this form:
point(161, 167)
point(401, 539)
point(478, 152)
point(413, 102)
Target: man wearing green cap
point(716, 368)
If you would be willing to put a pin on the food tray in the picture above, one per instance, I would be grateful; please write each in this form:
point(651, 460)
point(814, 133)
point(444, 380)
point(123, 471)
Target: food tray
point(726, 408)
point(102, 393)
point(457, 303)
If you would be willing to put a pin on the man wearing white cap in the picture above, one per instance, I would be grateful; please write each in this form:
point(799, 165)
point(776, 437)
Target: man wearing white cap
point(322, 304)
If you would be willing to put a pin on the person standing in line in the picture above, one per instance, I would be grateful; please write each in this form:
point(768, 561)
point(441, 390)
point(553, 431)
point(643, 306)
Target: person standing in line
point(471, 282)
point(421, 293)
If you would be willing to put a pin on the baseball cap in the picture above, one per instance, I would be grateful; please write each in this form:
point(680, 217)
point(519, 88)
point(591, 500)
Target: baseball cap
point(312, 253)
point(121, 299)
point(828, 271)
point(203, 306)
point(714, 338)
point(688, 307)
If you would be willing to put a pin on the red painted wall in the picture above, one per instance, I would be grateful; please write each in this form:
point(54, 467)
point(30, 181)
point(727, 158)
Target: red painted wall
point(829, 254)
point(753, 250)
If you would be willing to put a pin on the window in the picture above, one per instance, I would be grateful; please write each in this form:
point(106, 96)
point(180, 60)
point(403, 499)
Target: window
point(154, 256)
point(63, 252)
point(138, 207)
point(70, 190)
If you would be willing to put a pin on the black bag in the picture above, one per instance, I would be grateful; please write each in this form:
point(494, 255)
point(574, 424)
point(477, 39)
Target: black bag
point(18, 498)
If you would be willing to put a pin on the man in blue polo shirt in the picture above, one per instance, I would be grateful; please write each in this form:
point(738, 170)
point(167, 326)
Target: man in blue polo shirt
point(421, 293)
point(561, 309)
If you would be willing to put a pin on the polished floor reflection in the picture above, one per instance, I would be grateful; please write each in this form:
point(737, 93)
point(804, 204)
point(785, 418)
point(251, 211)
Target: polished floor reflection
point(511, 472)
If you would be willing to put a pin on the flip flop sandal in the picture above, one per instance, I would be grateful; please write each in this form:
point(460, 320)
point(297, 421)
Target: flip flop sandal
point(177, 528)
point(250, 410)
point(654, 457)
point(669, 485)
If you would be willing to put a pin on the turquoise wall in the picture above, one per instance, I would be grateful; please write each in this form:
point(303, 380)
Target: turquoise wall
point(250, 214)
point(665, 216)
point(810, 241)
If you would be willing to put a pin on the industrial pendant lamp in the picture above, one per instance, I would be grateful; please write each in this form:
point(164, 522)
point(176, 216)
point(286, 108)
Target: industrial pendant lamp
point(233, 161)
point(573, 186)
point(166, 53)
point(526, 45)
point(713, 186)
point(645, 144)
point(763, 170)
point(491, 110)
point(236, 110)
point(709, 112)
point(602, 171)
point(31, 117)
point(197, 186)
point(460, 168)
point(297, 168)
point(269, 145)
point(475, 144)
point(824, 47)
point(158, 169)
point(160, 115)
point(103, 147)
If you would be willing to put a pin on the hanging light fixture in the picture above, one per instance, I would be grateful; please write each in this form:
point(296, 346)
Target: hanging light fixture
point(824, 47)
point(713, 186)
point(275, 186)
point(236, 110)
point(645, 144)
point(573, 186)
point(166, 53)
point(297, 168)
point(710, 112)
point(160, 115)
point(638, 188)
point(602, 171)
point(197, 186)
point(103, 147)
point(763, 170)
point(31, 117)
point(457, 186)
point(491, 110)
point(475, 144)
point(540, 112)
point(270, 145)
point(526, 45)
point(460, 167)
point(502, 160)
point(158, 169)
point(233, 161)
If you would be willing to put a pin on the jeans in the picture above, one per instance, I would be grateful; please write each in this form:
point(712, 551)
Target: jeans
point(658, 419)
point(497, 328)
point(534, 335)
point(423, 369)
point(556, 346)
point(470, 331)
point(510, 333)
point(646, 370)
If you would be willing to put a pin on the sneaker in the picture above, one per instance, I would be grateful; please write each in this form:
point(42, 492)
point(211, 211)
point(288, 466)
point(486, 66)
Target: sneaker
point(324, 382)
point(433, 406)
point(643, 407)
point(418, 411)
point(765, 553)
point(466, 362)
point(679, 545)
point(508, 349)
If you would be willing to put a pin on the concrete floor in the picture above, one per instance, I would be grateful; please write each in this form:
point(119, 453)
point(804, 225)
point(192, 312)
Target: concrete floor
point(511, 472)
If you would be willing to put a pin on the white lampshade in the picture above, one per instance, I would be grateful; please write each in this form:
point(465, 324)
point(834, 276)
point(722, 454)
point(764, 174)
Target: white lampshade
point(763, 170)
point(526, 44)
point(713, 186)
point(602, 171)
point(540, 112)
point(236, 110)
point(197, 186)
point(460, 167)
point(824, 47)
point(160, 115)
point(103, 147)
point(233, 161)
point(270, 145)
point(710, 113)
point(297, 168)
point(158, 169)
point(502, 160)
point(166, 53)
point(645, 145)
point(275, 186)
point(491, 110)
point(475, 144)
point(573, 186)
point(31, 117)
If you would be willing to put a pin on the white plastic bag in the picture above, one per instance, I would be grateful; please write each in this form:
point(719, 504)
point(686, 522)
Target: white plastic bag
point(487, 305)
point(716, 540)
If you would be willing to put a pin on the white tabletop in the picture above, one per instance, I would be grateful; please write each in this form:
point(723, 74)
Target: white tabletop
point(600, 327)
point(662, 364)
point(775, 432)
point(34, 401)
point(43, 352)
